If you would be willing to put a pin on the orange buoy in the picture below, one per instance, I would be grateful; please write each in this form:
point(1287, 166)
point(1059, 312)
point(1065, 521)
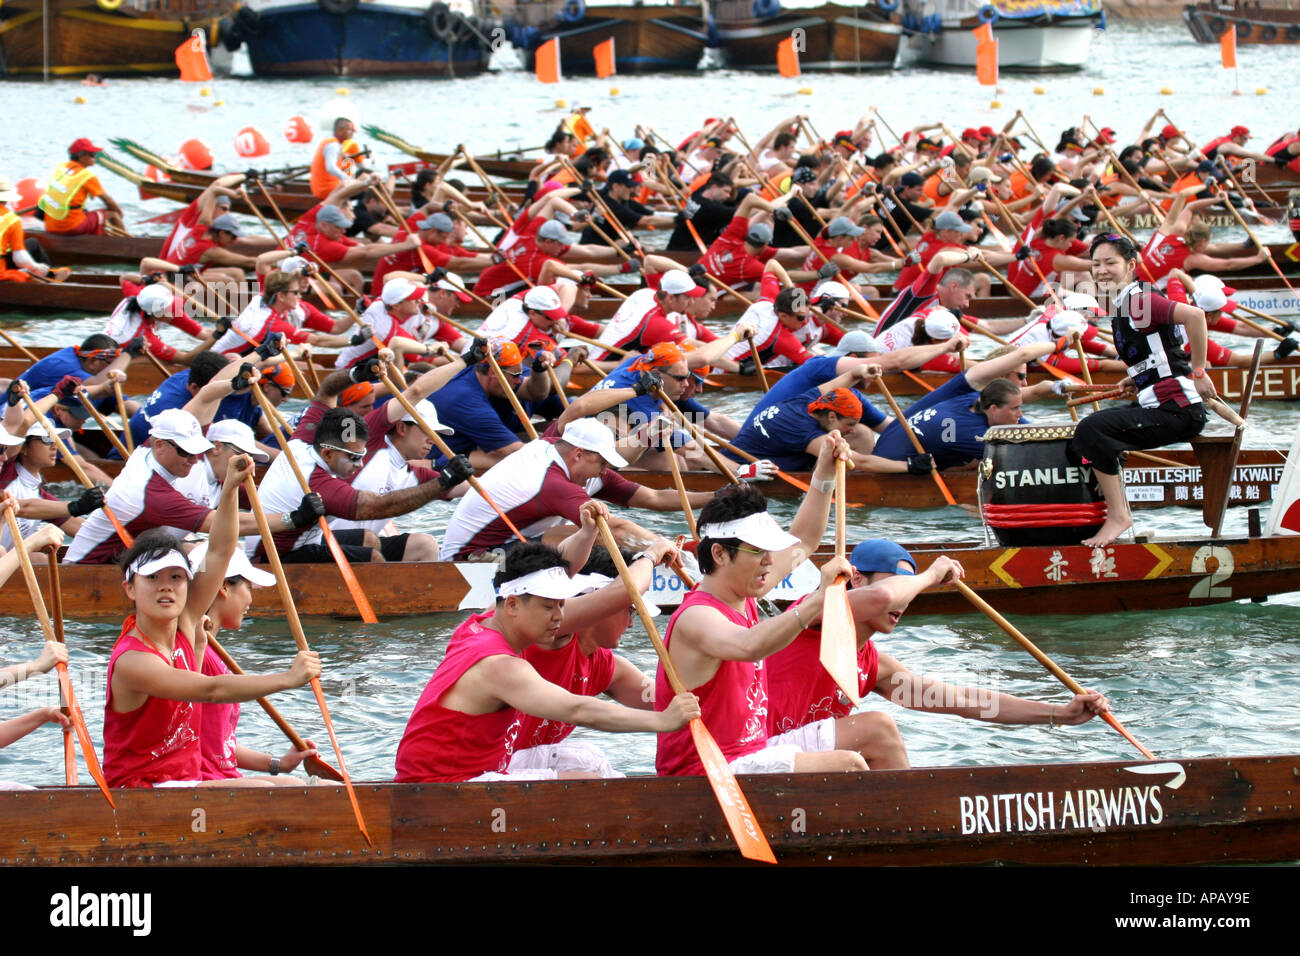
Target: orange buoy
point(196, 154)
point(155, 175)
point(30, 190)
point(297, 129)
point(250, 142)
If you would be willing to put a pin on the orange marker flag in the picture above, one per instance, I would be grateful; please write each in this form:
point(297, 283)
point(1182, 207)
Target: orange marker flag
point(1228, 47)
point(984, 33)
point(192, 60)
point(603, 53)
point(787, 58)
point(986, 62)
point(547, 61)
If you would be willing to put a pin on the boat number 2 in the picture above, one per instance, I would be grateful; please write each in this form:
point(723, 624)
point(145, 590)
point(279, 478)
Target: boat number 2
point(1205, 588)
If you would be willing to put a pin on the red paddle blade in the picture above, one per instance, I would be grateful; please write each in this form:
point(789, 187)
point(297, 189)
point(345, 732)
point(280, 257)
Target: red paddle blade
point(839, 647)
point(740, 818)
point(338, 752)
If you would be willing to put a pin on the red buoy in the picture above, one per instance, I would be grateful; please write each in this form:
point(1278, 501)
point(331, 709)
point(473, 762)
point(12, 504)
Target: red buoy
point(297, 130)
point(250, 142)
point(196, 154)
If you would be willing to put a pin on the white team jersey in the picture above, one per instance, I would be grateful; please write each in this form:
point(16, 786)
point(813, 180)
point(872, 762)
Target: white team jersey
point(762, 314)
point(506, 321)
point(385, 471)
point(630, 313)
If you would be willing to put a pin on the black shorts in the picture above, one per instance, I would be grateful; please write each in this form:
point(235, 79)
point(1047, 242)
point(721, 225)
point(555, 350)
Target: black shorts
point(349, 540)
point(1102, 436)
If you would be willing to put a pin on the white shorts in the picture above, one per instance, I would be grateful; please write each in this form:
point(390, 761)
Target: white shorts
point(777, 756)
point(567, 756)
point(492, 776)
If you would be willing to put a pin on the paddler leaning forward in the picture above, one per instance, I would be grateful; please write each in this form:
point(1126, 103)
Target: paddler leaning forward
point(459, 728)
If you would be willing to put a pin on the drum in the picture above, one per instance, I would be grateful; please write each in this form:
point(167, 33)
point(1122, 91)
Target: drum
point(1029, 491)
point(1293, 212)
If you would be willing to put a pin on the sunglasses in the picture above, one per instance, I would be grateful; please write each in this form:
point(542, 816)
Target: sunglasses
point(679, 378)
point(356, 457)
point(192, 456)
point(749, 550)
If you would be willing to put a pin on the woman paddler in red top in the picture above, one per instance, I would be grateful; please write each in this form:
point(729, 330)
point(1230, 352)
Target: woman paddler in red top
point(717, 641)
point(460, 727)
point(151, 723)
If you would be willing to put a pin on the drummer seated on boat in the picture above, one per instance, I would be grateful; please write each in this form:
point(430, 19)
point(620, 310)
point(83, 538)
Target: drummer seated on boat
point(806, 706)
point(17, 261)
point(542, 488)
point(148, 304)
point(72, 185)
point(151, 721)
point(458, 729)
point(950, 421)
point(791, 433)
point(25, 457)
point(150, 492)
point(329, 463)
point(718, 643)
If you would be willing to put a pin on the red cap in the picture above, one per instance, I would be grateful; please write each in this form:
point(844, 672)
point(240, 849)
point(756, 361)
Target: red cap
point(1170, 132)
point(1106, 135)
point(971, 133)
point(844, 136)
point(947, 149)
point(83, 145)
point(841, 401)
point(986, 132)
point(1239, 131)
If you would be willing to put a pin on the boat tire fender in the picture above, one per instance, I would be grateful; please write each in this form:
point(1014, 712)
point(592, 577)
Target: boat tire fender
point(987, 14)
point(1244, 28)
point(228, 34)
point(439, 20)
point(766, 8)
point(460, 29)
point(574, 11)
point(1218, 25)
point(1293, 32)
point(1268, 32)
point(339, 8)
point(888, 6)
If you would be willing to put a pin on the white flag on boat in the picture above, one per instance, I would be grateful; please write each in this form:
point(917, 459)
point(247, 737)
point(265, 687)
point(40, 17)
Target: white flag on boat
point(1284, 516)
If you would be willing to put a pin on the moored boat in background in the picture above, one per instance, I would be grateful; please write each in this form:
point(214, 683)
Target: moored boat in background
point(828, 36)
point(1256, 23)
point(655, 37)
point(1032, 35)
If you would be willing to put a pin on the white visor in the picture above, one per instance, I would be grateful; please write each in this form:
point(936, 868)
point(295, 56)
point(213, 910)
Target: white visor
point(239, 566)
point(759, 530)
point(551, 583)
point(144, 565)
point(594, 582)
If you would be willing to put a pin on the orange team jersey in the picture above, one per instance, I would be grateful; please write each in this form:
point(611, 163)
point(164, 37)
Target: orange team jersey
point(86, 188)
point(1019, 185)
point(940, 200)
point(1109, 200)
point(322, 182)
point(11, 240)
point(1183, 182)
point(871, 176)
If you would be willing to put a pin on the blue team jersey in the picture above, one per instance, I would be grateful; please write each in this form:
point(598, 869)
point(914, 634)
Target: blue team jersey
point(46, 373)
point(782, 432)
point(944, 424)
point(480, 420)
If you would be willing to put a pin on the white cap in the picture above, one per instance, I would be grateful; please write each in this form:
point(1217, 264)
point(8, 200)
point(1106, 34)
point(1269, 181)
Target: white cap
point(293, 265)
point(545, 300)
point(941, 325)
point(37, 430)
point(454, 283)
point(759, 530)
point(551, 583)
point(11, 441)
point(1067, 323)
point(178, 425)
point(590, 435)
point(1210, 299)
point(836, 290)
point(430, 414)
point(146, 565)
point(399, 290)
point(239, 566)
point(857, 340)
point(234, 432)
point(1081, 302)
point(155, 299)
point(1208, 282)
point(676, 282)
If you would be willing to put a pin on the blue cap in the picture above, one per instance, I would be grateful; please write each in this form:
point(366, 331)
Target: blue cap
point(877, 555)
point(633, 143)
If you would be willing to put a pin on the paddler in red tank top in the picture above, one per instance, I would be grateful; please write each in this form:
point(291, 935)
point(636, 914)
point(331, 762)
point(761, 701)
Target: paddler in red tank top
point(151, 721)
point(717, 642)
point(458, 730)
point(807, 708)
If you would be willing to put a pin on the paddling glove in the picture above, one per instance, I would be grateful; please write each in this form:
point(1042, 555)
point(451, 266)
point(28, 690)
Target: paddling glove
point(1022, 253)
point(300, 248)
point(697, 272)
point(270, 346)
point(456, 470)
point(135, 348)
point(367, 371)
point(746, 366)
point(920, 465)
point(589, 279)
point(650, 381)
point(188, 270)
point(632, 265)
point(829, 270)
point(14, 395)
point(477, 352)
point(781, 214)
point(311, 508)
point(92, 499)
point(243, 378)
point(437, 275)
point(913, 258)
point(222, 325)
point(67, 387)
point(360, 337)
point(1285, 348)
point(760, 470)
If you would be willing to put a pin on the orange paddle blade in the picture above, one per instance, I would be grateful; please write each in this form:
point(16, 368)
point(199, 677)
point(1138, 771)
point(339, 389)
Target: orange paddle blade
point(740, 818)
point(1114, 722)
point(83, 734)
point(69, 760)
point(349, 577)
point(338, 752)
point(839, 654)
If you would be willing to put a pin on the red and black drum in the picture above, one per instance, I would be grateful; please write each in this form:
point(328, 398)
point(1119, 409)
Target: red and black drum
point(1293, 212)
point(1029, 491)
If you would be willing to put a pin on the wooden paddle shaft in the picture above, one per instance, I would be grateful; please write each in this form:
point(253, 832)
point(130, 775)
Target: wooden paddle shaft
point(19, 346)
point(1083, 365)
point(511, 396)
point(687, 510)
point(102, 422)
point(841, 504)
point(713, 456)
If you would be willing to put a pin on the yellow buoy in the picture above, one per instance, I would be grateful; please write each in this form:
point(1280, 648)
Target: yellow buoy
point(1166, 91)
point(79, 99)
point(1261, 90)
point(995, 105)
point(561, 104)
point(342, 91)
point(1099, 91)
point(219, 103)
point(805, 91)
point(206, 91)
point(614, 91)
point(1039, 91)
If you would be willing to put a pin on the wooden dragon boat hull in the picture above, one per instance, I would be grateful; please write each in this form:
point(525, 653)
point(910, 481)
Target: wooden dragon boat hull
point(834, 37)
point(1194, 811)
point(1148, 575)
